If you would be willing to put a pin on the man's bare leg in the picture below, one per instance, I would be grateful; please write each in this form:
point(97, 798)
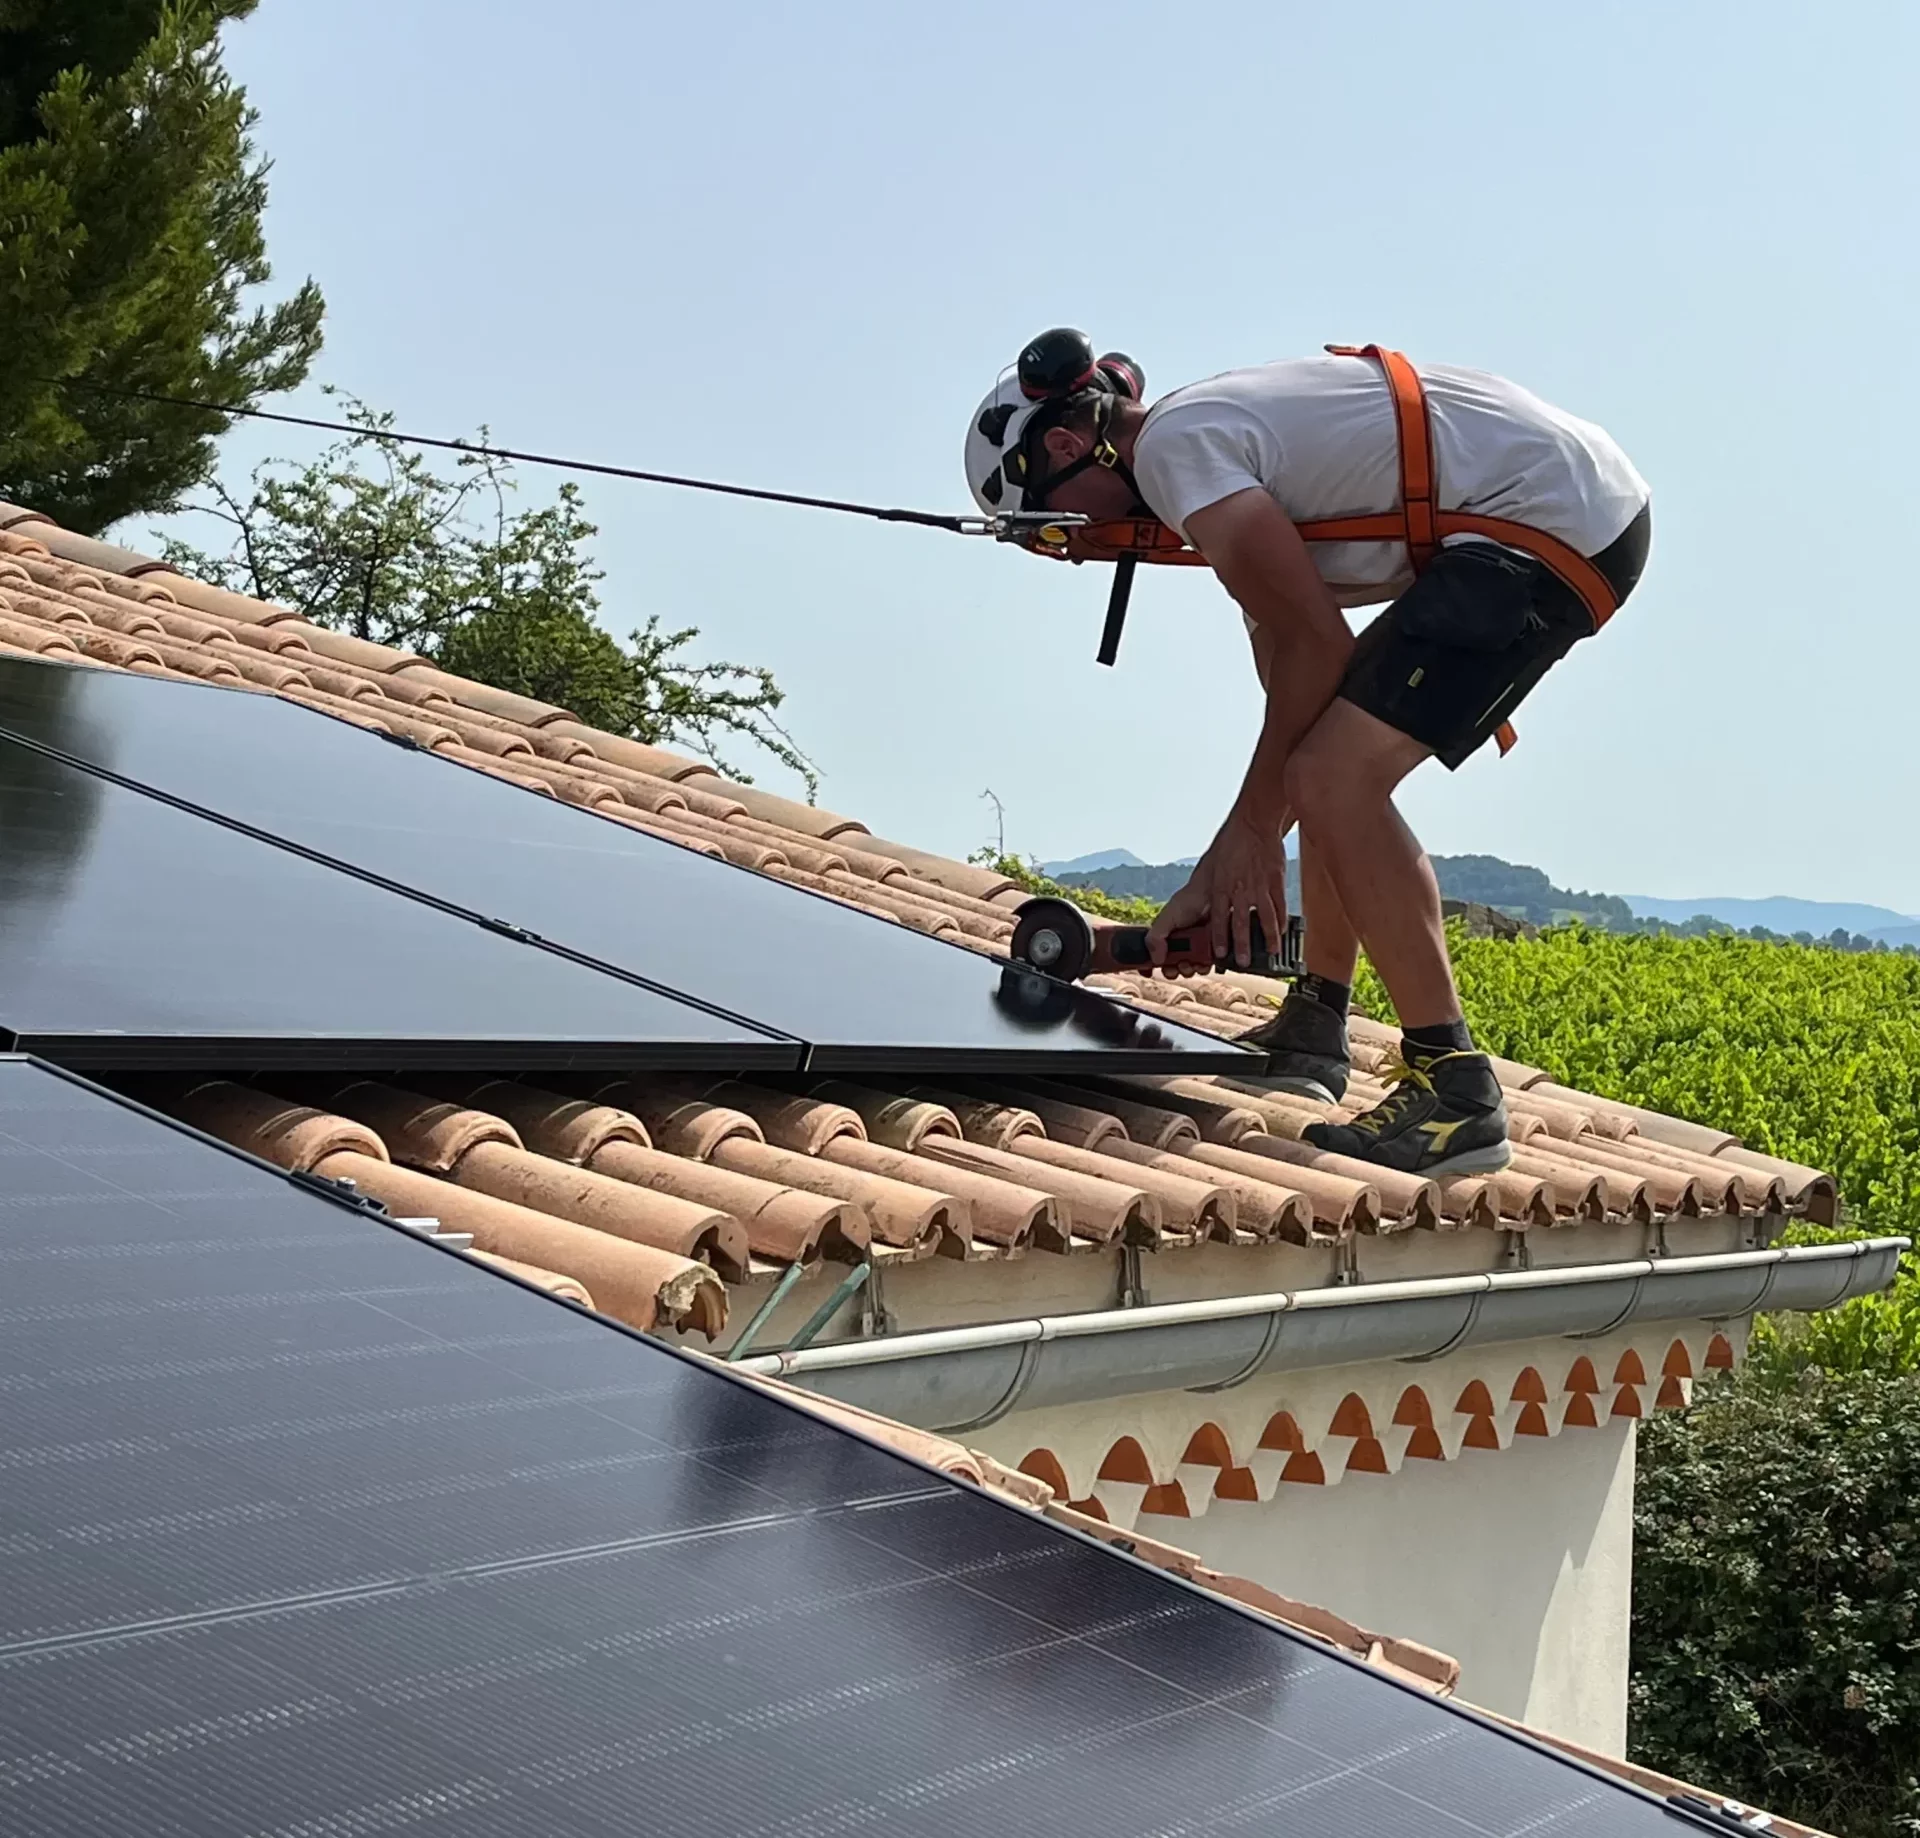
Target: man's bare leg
point(1341, 782)
point(1447, 1116)
point(1306, 1043)
point(1332, 945)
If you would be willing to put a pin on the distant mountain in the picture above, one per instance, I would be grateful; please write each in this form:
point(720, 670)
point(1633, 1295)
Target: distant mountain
point(1105, 858)
point(1159, 882)
point(1778, 913)
point(1137, 881)
point(1483, 880)
point(1526, 893)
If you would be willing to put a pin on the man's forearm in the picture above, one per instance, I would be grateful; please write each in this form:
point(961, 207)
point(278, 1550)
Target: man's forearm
point(1300, 639)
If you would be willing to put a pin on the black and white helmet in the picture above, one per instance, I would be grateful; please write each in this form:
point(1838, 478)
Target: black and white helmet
point(1002, 457)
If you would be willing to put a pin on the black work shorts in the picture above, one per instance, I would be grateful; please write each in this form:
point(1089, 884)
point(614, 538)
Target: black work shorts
point(1458, 652)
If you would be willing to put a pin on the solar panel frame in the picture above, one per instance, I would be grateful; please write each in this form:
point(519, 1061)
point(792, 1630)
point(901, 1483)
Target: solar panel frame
point(862, 993)
point(268, 1562)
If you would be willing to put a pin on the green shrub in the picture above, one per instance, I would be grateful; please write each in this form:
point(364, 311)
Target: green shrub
point(1776, 1591)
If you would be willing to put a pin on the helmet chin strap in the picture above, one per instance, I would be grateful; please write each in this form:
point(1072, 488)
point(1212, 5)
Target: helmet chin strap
point(1102, 453)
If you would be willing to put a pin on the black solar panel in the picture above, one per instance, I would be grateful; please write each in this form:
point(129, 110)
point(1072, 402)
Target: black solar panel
point(134, 933)
point(862, 992)
point(311, 1527)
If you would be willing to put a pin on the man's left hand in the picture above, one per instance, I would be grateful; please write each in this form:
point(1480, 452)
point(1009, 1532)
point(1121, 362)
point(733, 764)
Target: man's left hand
point(1245, 871)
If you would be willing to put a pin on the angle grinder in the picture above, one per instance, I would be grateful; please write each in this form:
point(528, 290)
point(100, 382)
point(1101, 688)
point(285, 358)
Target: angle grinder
point(1055, 936)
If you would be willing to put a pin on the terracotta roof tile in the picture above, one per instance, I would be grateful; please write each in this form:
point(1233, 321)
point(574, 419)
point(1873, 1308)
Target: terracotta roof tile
point(741, 1179)
point(639, 1284)
point(566, 1287)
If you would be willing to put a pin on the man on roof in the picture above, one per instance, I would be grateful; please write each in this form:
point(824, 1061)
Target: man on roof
point(1499, 531)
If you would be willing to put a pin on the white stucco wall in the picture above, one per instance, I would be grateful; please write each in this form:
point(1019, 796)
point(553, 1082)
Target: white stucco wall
point(1517, 1561)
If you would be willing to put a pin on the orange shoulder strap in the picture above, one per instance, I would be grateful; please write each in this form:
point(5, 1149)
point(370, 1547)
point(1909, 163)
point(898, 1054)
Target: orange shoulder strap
point(1422, 525)
point(1416, 449)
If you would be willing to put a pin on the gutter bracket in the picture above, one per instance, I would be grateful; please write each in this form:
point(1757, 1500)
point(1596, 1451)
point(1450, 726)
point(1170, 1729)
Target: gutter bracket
point(1029, 1359)
point(1656, 1244)
point(1626, 1313)
point(1267, 1343)
point(876, 1319)
point(1515, 1252)
point(1760, 1301)
point(849, 1285)
point(1346, 1261)
point(1133, 1280)
point(1466, 1328)
point(774, 1297)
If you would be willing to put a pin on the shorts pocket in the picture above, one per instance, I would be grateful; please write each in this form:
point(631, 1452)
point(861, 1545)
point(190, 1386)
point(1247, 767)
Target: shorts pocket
point(1411, 678)
point(1473, 597)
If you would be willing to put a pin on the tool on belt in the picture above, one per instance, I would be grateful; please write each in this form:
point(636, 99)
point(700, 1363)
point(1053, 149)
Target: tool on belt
point(1056, 936)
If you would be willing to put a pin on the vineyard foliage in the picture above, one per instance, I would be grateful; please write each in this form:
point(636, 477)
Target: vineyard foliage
point(1805, 1053)
point(1801, 1052)
point(1774, 1617)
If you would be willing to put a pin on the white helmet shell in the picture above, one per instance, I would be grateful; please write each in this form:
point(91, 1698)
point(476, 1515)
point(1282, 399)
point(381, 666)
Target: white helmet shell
point(994, 432)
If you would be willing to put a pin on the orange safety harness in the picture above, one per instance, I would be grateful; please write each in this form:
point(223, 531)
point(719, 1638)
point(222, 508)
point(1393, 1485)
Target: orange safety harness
point(1418, 522)
point(1423, 526)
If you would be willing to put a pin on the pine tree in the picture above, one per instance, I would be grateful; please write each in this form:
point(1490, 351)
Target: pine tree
point(130, 203)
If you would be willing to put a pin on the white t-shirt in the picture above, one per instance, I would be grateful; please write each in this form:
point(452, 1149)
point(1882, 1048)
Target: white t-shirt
point(1319, 434)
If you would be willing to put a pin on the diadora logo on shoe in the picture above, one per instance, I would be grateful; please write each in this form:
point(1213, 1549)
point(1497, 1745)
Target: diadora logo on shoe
point(1440, 1134)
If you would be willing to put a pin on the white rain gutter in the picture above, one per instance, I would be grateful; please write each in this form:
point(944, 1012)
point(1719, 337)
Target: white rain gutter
point(967, 1377)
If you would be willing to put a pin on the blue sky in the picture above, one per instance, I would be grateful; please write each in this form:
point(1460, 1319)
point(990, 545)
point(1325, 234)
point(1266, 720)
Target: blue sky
point(792, 245)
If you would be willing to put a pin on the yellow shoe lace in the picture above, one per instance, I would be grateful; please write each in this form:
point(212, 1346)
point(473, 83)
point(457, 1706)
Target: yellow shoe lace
point(1405, 1081)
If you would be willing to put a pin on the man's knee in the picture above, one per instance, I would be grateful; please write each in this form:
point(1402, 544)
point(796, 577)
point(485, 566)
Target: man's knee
point(1346, 767)
point(1308, 786)
point(1326, 790)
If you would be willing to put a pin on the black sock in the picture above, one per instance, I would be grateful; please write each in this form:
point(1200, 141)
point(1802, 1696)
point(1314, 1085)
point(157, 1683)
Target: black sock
point(1442, 1037)
point(1325, 991)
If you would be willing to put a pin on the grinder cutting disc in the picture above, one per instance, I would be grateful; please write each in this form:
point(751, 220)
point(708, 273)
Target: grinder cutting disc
point(1054, 936)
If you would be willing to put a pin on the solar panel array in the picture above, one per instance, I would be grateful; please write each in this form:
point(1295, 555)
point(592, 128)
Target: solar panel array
point(135, 933)
point(407, 855)
point(309, 1525)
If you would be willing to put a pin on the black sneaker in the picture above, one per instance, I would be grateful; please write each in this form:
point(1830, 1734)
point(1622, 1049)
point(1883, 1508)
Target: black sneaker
point(1444, 1115)
point(1307, 1052)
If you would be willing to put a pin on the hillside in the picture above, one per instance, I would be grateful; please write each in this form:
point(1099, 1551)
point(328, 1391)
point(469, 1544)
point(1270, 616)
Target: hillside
point(1778, 913)
point(1484, 880)
point(1526, 893)
point(1088, 864)
point(1141, 881)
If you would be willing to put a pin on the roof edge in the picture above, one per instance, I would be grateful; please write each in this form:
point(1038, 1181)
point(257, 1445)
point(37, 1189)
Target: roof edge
point(958, 1379)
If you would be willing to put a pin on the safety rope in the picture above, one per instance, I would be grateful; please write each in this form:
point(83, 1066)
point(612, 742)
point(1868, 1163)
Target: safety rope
point(932, 520)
